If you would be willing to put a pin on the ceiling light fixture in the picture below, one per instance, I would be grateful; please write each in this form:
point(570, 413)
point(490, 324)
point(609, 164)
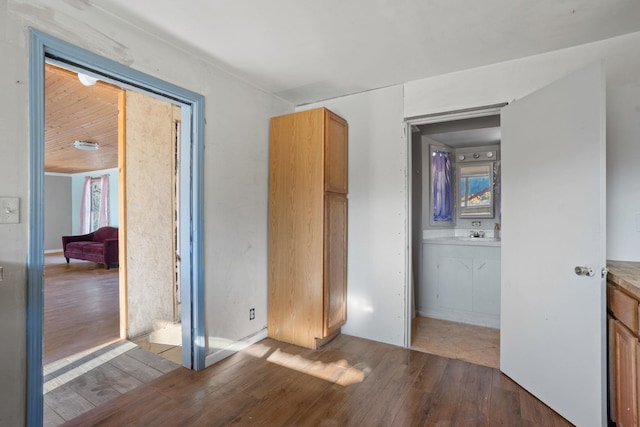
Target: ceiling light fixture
point(86, 145)
point(86, 79)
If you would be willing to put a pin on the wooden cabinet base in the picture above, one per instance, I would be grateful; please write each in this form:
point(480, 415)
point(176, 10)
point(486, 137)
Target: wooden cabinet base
point(624, 360)
point(322, 341)
point(625, 375)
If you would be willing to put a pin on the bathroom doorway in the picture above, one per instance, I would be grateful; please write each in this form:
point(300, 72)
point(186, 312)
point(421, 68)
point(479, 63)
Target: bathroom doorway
point(456, 276)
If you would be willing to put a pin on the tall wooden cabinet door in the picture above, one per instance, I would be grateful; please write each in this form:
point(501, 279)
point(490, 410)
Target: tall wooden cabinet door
point(336, 154)
point(296, 213)
point(625, 353)
point(335, 262)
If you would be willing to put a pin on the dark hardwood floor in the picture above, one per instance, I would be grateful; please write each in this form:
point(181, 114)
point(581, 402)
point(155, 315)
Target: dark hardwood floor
point(349, 382)
point(81, 308)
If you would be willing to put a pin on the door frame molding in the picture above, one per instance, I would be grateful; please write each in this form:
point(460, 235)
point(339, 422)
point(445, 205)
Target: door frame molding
point(45, 47)
point(440, 117)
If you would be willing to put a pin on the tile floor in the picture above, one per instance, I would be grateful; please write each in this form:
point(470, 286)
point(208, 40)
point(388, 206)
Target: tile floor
point(78, 383)
point(474, 344)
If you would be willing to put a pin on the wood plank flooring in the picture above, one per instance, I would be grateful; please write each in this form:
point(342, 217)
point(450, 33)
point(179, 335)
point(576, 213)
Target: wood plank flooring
point(85, 381)
point(77, 384)
point(349, 382)
point(81, 308)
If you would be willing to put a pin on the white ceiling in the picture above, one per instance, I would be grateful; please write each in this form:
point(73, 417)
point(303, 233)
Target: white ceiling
point(464, 133)
point(309, 50)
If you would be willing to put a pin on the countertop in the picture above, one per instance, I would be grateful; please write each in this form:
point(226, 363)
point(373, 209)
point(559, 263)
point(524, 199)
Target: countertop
point(463, 241)
point(625, 274)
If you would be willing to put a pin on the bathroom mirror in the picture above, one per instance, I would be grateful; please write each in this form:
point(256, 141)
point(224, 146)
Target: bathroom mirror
point(475, 190)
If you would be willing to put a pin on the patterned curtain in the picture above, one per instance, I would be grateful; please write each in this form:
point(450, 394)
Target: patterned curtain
point(103, 218)
point(442, 187)
point(85, 208)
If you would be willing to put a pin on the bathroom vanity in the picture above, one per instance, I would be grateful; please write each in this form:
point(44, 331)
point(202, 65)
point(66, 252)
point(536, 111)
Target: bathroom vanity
point(623, 312)
point(460, 280)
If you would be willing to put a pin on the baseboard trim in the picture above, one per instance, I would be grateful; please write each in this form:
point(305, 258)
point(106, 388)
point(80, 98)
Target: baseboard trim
point(234, 347)
point(53, 251)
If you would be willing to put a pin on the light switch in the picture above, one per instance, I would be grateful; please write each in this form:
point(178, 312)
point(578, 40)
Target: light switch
point(9, 210)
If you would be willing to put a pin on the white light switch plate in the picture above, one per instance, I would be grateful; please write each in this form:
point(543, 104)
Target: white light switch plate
point(9, 210)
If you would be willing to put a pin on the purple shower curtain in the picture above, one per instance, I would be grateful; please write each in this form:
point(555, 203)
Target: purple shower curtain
point(442, 187)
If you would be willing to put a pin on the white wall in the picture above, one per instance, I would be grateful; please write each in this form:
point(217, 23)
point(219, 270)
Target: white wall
point(377, 217)
point(623, 171)
point(235, 195)
point(514, 79)
point(377, 222)
point(57, 210)
point(13, 182)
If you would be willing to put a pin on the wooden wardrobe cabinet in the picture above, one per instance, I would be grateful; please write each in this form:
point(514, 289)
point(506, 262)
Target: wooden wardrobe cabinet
point(307, 227)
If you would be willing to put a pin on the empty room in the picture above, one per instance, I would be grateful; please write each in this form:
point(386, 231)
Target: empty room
point(380, 213)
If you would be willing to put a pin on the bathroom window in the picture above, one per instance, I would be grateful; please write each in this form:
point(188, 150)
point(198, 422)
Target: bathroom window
point(475, 190)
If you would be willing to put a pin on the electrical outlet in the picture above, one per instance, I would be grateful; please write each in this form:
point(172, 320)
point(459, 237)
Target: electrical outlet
point(252, 313)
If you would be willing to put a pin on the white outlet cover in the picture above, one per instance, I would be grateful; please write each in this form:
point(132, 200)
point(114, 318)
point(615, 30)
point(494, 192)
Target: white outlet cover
point(9, 210)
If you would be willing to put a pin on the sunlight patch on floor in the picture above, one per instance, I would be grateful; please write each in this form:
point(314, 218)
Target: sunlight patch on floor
point(257, 350)
point(166, 332)
point(74, 373)
point(339, 372)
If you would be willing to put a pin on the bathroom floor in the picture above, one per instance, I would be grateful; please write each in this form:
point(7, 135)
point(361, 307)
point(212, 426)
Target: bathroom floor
point(474, 344)
point(167, 351)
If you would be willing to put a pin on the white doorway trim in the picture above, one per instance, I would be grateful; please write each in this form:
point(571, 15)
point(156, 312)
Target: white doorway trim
point(445, 116)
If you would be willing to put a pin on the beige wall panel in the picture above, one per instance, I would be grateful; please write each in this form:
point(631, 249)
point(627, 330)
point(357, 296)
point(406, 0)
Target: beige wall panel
point(149, 211)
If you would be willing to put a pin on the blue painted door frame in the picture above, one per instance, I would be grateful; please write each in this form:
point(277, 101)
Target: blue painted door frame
point(43, 48)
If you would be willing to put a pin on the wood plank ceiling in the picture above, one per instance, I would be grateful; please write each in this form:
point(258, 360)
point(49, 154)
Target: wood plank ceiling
point(77, 112)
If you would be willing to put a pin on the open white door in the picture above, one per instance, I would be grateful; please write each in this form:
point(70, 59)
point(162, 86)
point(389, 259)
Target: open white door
point(553, 217)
